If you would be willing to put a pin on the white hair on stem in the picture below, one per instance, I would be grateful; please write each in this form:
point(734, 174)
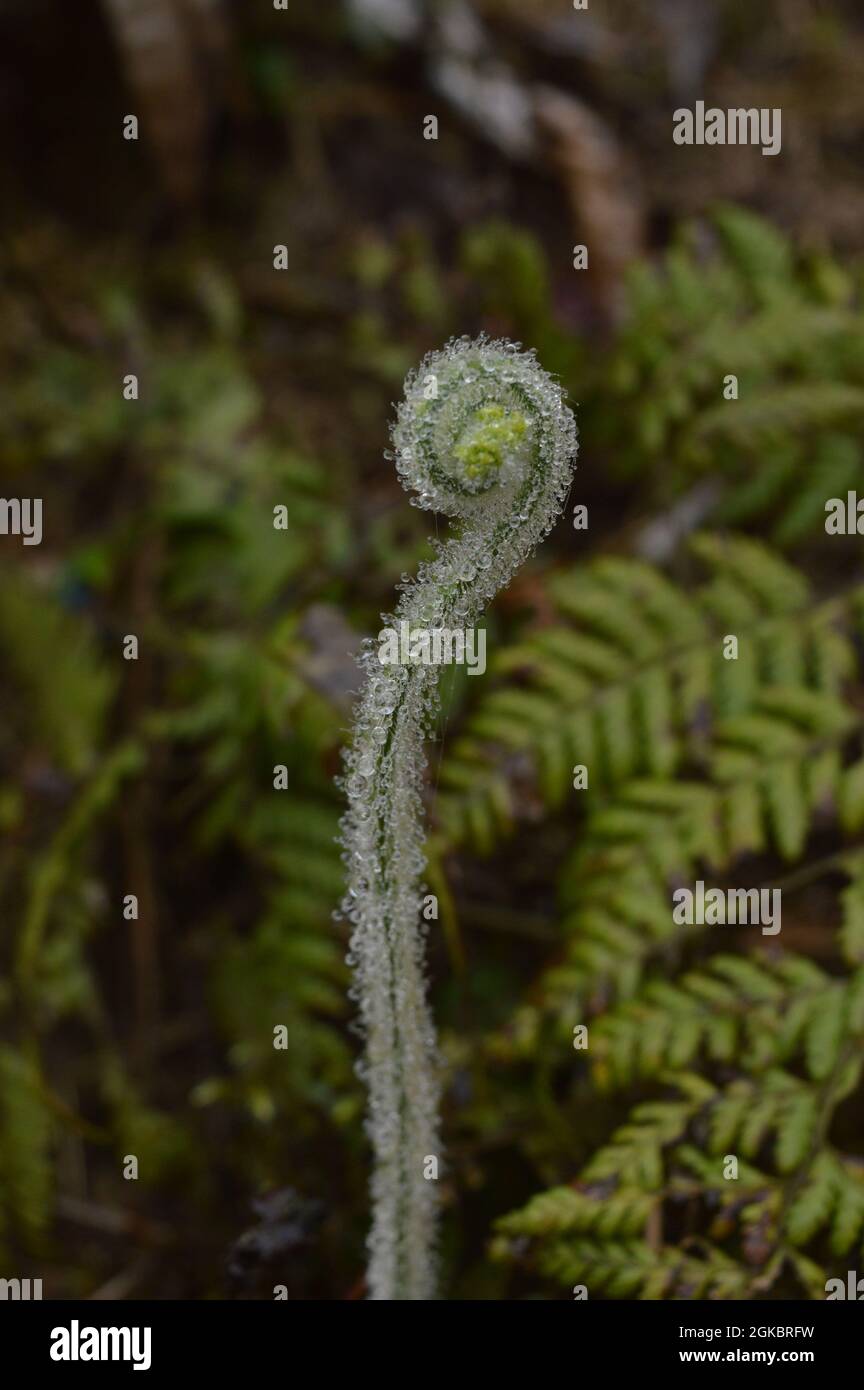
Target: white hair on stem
point(484, 435)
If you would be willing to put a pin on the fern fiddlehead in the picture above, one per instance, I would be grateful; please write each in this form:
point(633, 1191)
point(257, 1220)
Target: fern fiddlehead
point(483, 435)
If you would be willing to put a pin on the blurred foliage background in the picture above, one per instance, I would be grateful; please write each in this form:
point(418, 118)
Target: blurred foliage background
point(262, 388)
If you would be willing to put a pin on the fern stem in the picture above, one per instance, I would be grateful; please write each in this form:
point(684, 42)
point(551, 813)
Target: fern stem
point(483, 434)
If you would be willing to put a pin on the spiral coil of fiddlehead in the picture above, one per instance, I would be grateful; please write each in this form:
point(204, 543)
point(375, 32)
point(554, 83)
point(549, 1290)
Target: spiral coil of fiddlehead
point(484, 435)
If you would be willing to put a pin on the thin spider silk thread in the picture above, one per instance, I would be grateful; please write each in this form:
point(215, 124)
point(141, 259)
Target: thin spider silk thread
point(483, 435)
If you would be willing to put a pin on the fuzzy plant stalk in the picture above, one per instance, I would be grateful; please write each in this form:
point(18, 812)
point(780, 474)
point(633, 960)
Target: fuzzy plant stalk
point(483, 435)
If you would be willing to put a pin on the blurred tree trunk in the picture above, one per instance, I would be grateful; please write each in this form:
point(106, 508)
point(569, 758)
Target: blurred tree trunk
point(172, 51)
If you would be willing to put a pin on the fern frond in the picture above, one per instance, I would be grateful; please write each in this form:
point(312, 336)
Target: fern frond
point(603, 1230)
point(734, 1008)
point(795, 341)
point(635, 680)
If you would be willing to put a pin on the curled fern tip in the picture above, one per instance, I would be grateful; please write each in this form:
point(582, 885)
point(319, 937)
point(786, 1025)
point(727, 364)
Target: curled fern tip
point(485, 436)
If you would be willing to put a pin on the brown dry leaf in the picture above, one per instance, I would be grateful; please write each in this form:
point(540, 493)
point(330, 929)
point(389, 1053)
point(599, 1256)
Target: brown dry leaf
point(601, 186)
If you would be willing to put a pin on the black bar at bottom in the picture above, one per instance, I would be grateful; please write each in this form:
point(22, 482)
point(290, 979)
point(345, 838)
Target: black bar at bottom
point(161, 1338)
